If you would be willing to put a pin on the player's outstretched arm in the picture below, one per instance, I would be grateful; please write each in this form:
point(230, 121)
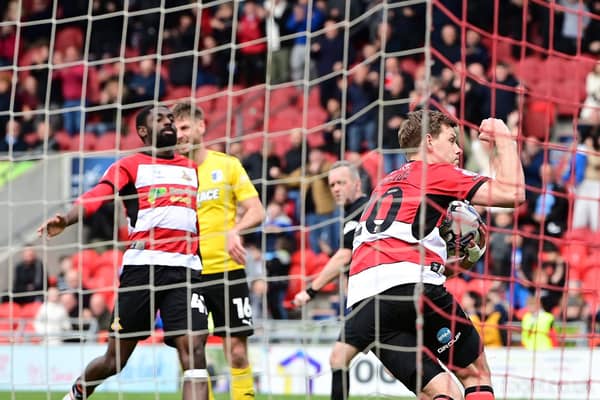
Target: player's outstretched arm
point(507, 189)
point(91, 201)
point(55, 225)
point(332, 270)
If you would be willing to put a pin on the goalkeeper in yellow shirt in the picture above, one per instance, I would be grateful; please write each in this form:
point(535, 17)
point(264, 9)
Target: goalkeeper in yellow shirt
point(228, 204)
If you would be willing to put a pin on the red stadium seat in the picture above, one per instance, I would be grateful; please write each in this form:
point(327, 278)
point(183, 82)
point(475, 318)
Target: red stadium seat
point(481, 286)
point(178, 93)
point(85, 142)
point(85, 261)
point(108, 141)
point(131, 141)
point(590, 283)
point(63, 139)
point(30, 310)
point(10, 309)
point(372, 163)
point(528, 70)
point(457, 287)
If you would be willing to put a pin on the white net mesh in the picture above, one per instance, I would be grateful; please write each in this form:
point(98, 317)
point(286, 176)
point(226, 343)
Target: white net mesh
point(288, 88)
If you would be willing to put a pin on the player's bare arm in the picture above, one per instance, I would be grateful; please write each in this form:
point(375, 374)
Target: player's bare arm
point(252, 215)
point(55, 225)
point(332, 270)
point(507, 189)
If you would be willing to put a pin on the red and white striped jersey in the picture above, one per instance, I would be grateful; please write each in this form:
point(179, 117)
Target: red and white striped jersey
point(397, 240)
point(160, 198)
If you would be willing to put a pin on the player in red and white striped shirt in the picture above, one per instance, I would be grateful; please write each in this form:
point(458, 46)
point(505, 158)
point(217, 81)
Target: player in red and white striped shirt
point(159, 191)
point(397, 246)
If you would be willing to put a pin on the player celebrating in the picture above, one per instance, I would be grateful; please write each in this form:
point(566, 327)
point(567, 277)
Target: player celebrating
point(345, 185)
point(397, 245)
point(160, 189)
point(224, 185)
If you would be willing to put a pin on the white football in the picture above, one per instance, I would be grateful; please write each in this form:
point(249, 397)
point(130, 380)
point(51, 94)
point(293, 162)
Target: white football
point(461, 220)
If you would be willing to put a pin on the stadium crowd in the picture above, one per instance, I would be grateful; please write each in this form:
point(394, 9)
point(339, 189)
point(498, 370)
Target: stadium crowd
point(535, 68)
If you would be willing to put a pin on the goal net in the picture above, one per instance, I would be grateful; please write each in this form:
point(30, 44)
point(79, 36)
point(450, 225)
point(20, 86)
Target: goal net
point(288, 88)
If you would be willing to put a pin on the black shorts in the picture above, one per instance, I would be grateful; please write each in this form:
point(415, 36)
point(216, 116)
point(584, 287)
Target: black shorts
point(176, 293)
point(448, 334)
point(228, 300)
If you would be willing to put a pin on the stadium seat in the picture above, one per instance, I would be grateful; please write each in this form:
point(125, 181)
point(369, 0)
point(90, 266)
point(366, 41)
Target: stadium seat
point(538, 119)
point(555, 69)
point(590, 283)
point(372, 163)
point(481, 286)
point(457, 287)
point(280, 98)
point(529, 70)
point(178, 93)
point(30, 310)
point(131, 141)
point(108, 141)
point(10, 309)
point(568, 101)
point(63, 139)
point(85, 142)
point(85, 261)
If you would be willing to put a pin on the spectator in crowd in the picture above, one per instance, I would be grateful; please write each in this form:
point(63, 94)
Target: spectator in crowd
point(394, 111)
point(362, 93)
point(590, 113)
point(332, 132)
point(293, 157)
point(449, 48)
point(65, 264)
point(317, 199)
point(366, 185)
point(111, 95)
point(100, 312)
point(252, 56)
point(537, 327)
point(13, 140)
point(38, 10)
point(29, 278)
point(74, 285)
point(591, 37)
point(277, 14)
point(506, 98)
point(44, 139)
point(221, 26)
point(476, 52)
point(142, 84)
point(182, 39)
point(574, 22)
point(552, 205)
point(488, 316)
point(500, 244)
point(277, 265)
point(257, 279)
point(71, 78)
point(299, 24)
point(39, 58)
point(328, 52)
point(27, 95)
point(52, 319)
point(586, 211)
point(8, 34)
point(5, 92)
point(105, 37)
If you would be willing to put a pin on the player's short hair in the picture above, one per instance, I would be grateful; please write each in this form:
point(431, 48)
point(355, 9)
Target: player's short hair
point(351, 167)
point(142, 117)
point(186, 109)
point(410, 133)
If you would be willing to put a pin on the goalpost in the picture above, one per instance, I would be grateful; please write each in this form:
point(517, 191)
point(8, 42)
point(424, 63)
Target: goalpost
point(73, 75)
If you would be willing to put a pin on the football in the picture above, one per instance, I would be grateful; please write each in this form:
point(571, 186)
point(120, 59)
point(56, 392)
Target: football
point(461, 225)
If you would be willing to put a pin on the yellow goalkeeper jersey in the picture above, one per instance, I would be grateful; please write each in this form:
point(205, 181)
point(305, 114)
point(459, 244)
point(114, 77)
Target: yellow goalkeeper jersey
point(222, 183)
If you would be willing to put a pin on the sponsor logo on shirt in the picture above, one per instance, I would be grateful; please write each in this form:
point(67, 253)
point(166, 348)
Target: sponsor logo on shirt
point(216, 175)
point(212, 194)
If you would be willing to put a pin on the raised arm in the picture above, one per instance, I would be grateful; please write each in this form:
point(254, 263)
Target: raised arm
point(91, 201)
point(507, 188)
